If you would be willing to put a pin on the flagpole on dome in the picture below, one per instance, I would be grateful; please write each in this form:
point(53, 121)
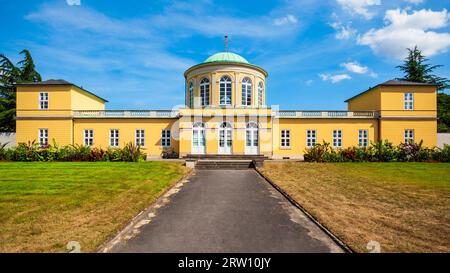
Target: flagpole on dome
point(226, 43)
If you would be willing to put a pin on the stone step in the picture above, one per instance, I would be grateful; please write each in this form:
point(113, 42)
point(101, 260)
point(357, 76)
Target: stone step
point(224, 164)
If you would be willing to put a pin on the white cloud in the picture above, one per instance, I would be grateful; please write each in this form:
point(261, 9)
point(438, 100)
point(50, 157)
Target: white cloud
point(309, 82)
point(343, 32)
point(355, 67)
point(334, 78)
point(405, 30)
point(288, 19)
point(360, 7)
point(415, 1)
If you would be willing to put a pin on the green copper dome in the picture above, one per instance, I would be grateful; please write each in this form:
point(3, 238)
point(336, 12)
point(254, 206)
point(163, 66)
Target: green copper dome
point(226, 57)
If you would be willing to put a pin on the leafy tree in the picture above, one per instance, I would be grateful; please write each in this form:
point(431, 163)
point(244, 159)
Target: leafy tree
point(10, 74)
point(417, 70)
point(443, 105)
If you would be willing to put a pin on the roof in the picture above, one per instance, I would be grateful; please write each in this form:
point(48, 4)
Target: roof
point(393, 83)
point(60, 82)
point(227, 57)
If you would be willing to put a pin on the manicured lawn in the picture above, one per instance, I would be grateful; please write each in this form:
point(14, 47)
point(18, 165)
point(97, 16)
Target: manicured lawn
point(403, 206)
point(43, 206)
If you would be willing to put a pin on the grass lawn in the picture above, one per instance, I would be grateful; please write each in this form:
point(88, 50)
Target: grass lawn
point(403, 206)
point(43, 206)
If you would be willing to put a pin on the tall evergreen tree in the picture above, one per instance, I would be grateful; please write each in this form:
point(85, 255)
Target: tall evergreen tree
point(416, 69)
point(10, 74)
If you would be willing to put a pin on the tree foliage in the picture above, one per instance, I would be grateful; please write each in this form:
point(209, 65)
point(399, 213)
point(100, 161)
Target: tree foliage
point(11, 74)
point(416, 69)
point(443, 108)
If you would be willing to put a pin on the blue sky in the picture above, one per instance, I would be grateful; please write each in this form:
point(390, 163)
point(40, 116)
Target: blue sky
point(134, 53)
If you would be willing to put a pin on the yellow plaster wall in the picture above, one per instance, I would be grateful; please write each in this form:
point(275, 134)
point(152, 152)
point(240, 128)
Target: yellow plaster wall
point(324, 131)
point(127, 127)
point(425, 130)
point(59, 130)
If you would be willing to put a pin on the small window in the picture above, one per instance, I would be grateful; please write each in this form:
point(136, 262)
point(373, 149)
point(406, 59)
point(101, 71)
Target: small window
point(337, 138)
point(43, 137)
point(246, 92)
point(43, 100)
point(409, 101)
point(409, 135)
point(285, 138)
point(165, 138)
point(88, 137)
point(204, 92)
point(260, 94)
point(140, 137)
point(363, 138)
point(310, 138)
point(114, 138)
point(191, 95)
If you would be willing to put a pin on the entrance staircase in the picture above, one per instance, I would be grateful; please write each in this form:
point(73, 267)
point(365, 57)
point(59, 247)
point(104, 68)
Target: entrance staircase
point(226, 162)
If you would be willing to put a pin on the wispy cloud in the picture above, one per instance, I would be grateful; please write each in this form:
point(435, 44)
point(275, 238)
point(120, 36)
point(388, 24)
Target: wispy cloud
point(334, 78)
point(360, 7)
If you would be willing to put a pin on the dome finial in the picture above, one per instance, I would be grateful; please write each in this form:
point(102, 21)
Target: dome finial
point(226, 43)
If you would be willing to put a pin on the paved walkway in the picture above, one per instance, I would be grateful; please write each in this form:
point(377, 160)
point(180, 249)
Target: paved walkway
point(226, 211)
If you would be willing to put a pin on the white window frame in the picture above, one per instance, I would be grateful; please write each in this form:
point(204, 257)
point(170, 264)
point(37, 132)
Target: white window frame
point(311, 138)
point(204, 91)
point(337, 138)
point(260, 94)
point(363, 137)
point(408, 135)
point(225, 90)
point(43, 136)
point(408, 101)
point(88, 137)
point(166, 138)
point(191, 94)
point(43, 100)
point(246, 87)
point(139, 137)
point(285, 138)
point(114, 138)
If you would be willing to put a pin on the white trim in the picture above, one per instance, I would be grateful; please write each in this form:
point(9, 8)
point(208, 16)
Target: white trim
point(311, 137)
point(139, 137)
point(408, 101)
point(43, 100)
point(88, 137)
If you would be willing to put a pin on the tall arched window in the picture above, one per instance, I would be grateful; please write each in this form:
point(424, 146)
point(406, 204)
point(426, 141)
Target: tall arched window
point(225, 90)
point(204, 92)
point(191, 94)
point(246, 92)
point(260, 94)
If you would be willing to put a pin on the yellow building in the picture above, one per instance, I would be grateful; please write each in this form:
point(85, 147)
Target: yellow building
point(225, 113)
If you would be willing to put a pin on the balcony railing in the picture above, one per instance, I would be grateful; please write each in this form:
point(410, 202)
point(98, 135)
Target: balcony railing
point(326, 114)
point(125, 114)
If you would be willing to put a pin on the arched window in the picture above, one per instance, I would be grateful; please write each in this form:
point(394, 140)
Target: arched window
point(204, 92)
point(246, 92)
point(260, 94)
point(252, 125)
point(225, 125)
point(191, 94)
point(225, 90)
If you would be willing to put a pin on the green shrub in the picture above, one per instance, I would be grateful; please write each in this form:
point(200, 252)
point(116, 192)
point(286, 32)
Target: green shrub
point(3, 151)
point(442, 154)
point(169, 153)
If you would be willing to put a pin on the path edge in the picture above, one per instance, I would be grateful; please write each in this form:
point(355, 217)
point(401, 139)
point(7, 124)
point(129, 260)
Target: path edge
point(109, 244)
point(338, 241)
